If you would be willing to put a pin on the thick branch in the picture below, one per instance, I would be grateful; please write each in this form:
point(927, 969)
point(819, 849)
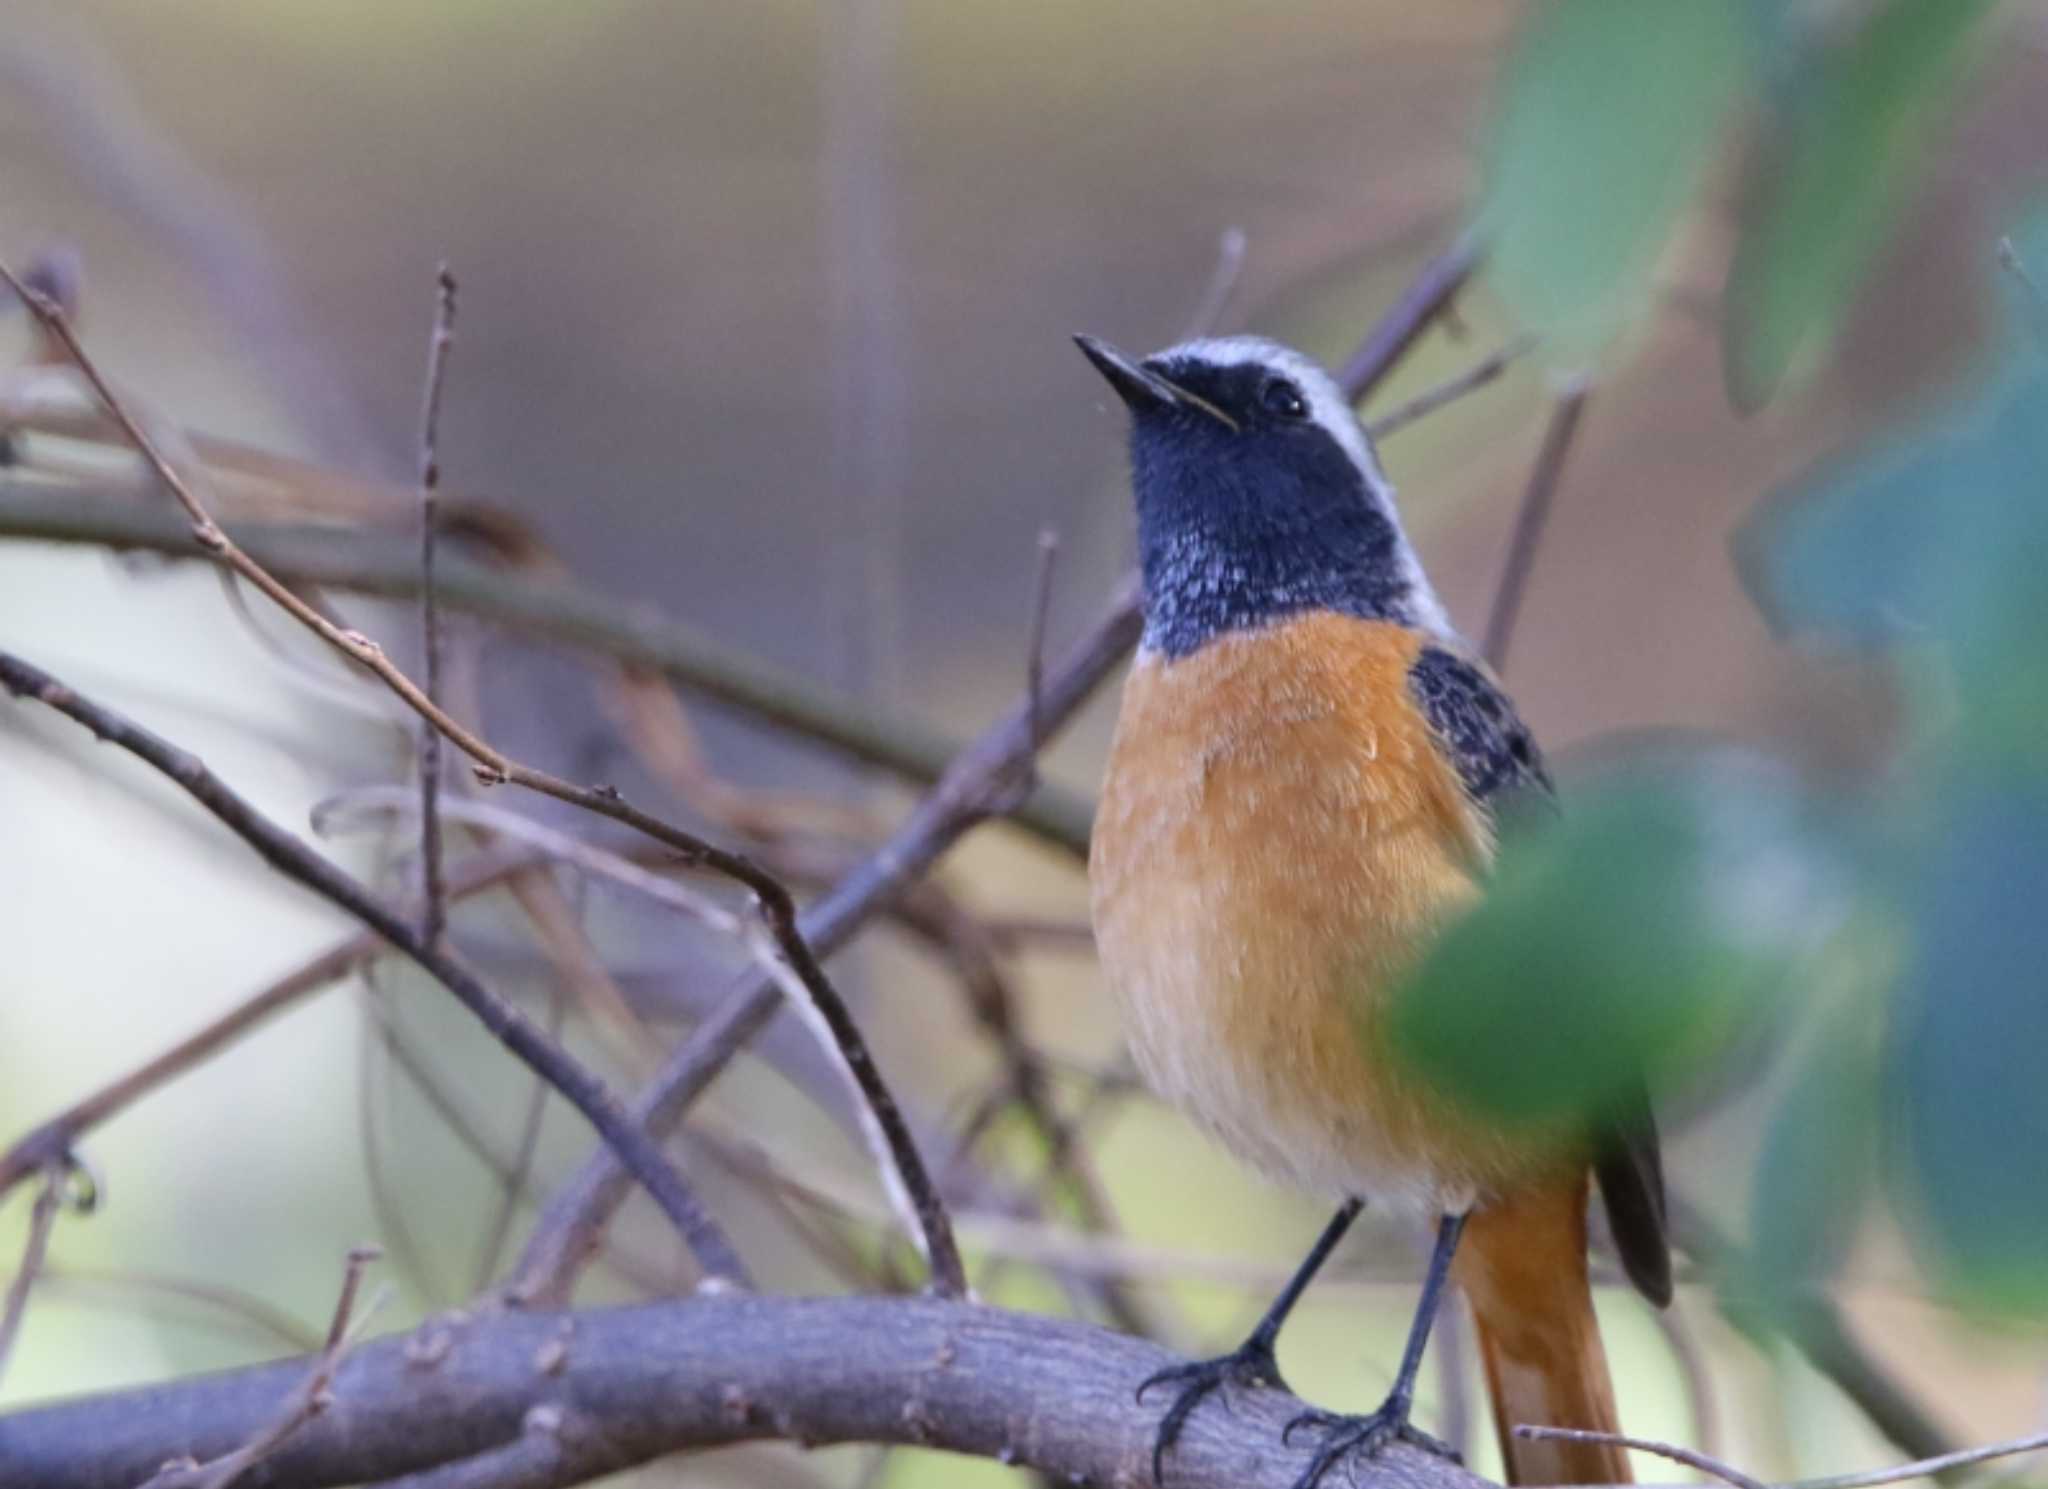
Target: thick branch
point(1048, 1393)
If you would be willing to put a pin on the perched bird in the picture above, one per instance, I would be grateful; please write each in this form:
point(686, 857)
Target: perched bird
point(1304, 786)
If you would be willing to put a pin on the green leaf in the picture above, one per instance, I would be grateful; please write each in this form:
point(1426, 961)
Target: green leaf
point(1818, 1161)
point(1629, 939)
point(1607, 113)
point(1850, 134)
point(1935, 542)
point(1967, 1051)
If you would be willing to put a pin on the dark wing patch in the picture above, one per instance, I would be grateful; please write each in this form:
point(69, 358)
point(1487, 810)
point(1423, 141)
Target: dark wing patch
point(1477, 725)
point(1631, 1175)
point(1496, 758)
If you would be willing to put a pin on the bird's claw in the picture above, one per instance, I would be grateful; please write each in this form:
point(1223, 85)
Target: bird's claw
point(1363, 1436)
point(1250, 1366)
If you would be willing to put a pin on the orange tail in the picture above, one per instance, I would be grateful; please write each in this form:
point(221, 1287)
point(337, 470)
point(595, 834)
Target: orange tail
point(1522, 1263)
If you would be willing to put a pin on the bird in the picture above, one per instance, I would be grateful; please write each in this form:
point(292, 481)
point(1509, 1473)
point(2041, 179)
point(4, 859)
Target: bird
point(1309, 773)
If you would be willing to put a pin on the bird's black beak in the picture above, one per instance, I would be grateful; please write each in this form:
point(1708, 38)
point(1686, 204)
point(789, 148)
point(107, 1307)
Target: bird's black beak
point(1143, 390)
point(1139, 387)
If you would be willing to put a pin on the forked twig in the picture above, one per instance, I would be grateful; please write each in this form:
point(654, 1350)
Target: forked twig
point(566, 1235)
point(294, 859)
point(778, 909)
point(313, 1396)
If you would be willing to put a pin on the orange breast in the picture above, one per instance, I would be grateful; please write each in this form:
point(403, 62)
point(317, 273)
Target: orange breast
point(1278, 837)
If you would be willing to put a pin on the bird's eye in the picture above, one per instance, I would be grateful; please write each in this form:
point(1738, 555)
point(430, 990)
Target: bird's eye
point(1282, 398)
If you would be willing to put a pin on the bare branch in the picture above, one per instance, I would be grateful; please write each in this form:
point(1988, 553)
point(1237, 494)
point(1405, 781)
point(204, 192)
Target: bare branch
point(295, 860)
point(434, 917)
point(1672, 1451)
point(543, 607)
point(41, 1221)
point(1050, 1394)
point(53, 1139)
point(308, 1401)
point(1041, 608)
point(568, 1229)
point(778, 910)
point(963, 796)
point(1529, 523)
point(1423, 302)
point(1429, 400)
point(1812, 1322)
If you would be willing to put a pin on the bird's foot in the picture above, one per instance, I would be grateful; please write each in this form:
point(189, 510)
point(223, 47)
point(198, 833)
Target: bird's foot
point(1250, 1366)
point(1363, 1437)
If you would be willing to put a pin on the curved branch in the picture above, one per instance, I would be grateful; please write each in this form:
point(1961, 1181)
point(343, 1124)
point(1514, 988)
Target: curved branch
point(641, 1382)
point(372, 562)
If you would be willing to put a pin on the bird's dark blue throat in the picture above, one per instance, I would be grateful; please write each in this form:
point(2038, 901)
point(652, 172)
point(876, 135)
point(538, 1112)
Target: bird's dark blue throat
point(1239, 528)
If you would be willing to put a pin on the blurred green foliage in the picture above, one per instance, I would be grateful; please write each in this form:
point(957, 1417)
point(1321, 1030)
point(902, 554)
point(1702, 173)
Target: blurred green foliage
point(1886, 930)
point(1849, 124)
point(1618, 940)
point(1607, 114)
point(1610, 113)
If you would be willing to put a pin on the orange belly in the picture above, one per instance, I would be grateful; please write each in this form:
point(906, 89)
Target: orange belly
point(1278, 837)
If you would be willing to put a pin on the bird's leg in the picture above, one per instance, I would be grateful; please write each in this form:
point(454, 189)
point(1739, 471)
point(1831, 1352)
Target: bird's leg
point(1366, 1435)
point(1251, 1364)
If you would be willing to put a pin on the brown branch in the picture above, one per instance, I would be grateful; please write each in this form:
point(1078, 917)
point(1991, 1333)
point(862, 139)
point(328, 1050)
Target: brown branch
point(53, 1139)
point(309, 1400)
point(576, 1216)
point(1043, 1393)
point(434, 917)
point(1423, 301)
point(544, 607)
point(300, 863)
point(777, 908)
point(972, 787)
point(1530, 519)
point(1450, 390)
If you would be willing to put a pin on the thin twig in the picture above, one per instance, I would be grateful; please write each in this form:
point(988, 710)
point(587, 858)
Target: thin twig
point(42, 1220)
point(1672, 1451)
point(1537, 497)
point(608, 865)
point(1815, 1326)
point(1222, 286)
point(567, 1233)
point(54, 1138)
point(1928, 1467)
point(434, 916)
point(1921, 1468)
point(1422, 303)
point(1041, 607)
point(1450, 390)
point(544, 606)
point(294, 859)
point(778, 910)
point(313, 1396)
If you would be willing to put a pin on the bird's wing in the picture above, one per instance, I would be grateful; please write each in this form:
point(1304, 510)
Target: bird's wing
point(1477, 728)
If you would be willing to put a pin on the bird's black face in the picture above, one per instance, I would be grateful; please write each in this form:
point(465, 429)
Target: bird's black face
point(1252, 504)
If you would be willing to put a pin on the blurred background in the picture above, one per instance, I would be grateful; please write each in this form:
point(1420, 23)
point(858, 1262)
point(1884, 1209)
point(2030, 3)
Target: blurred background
point(764, 321)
